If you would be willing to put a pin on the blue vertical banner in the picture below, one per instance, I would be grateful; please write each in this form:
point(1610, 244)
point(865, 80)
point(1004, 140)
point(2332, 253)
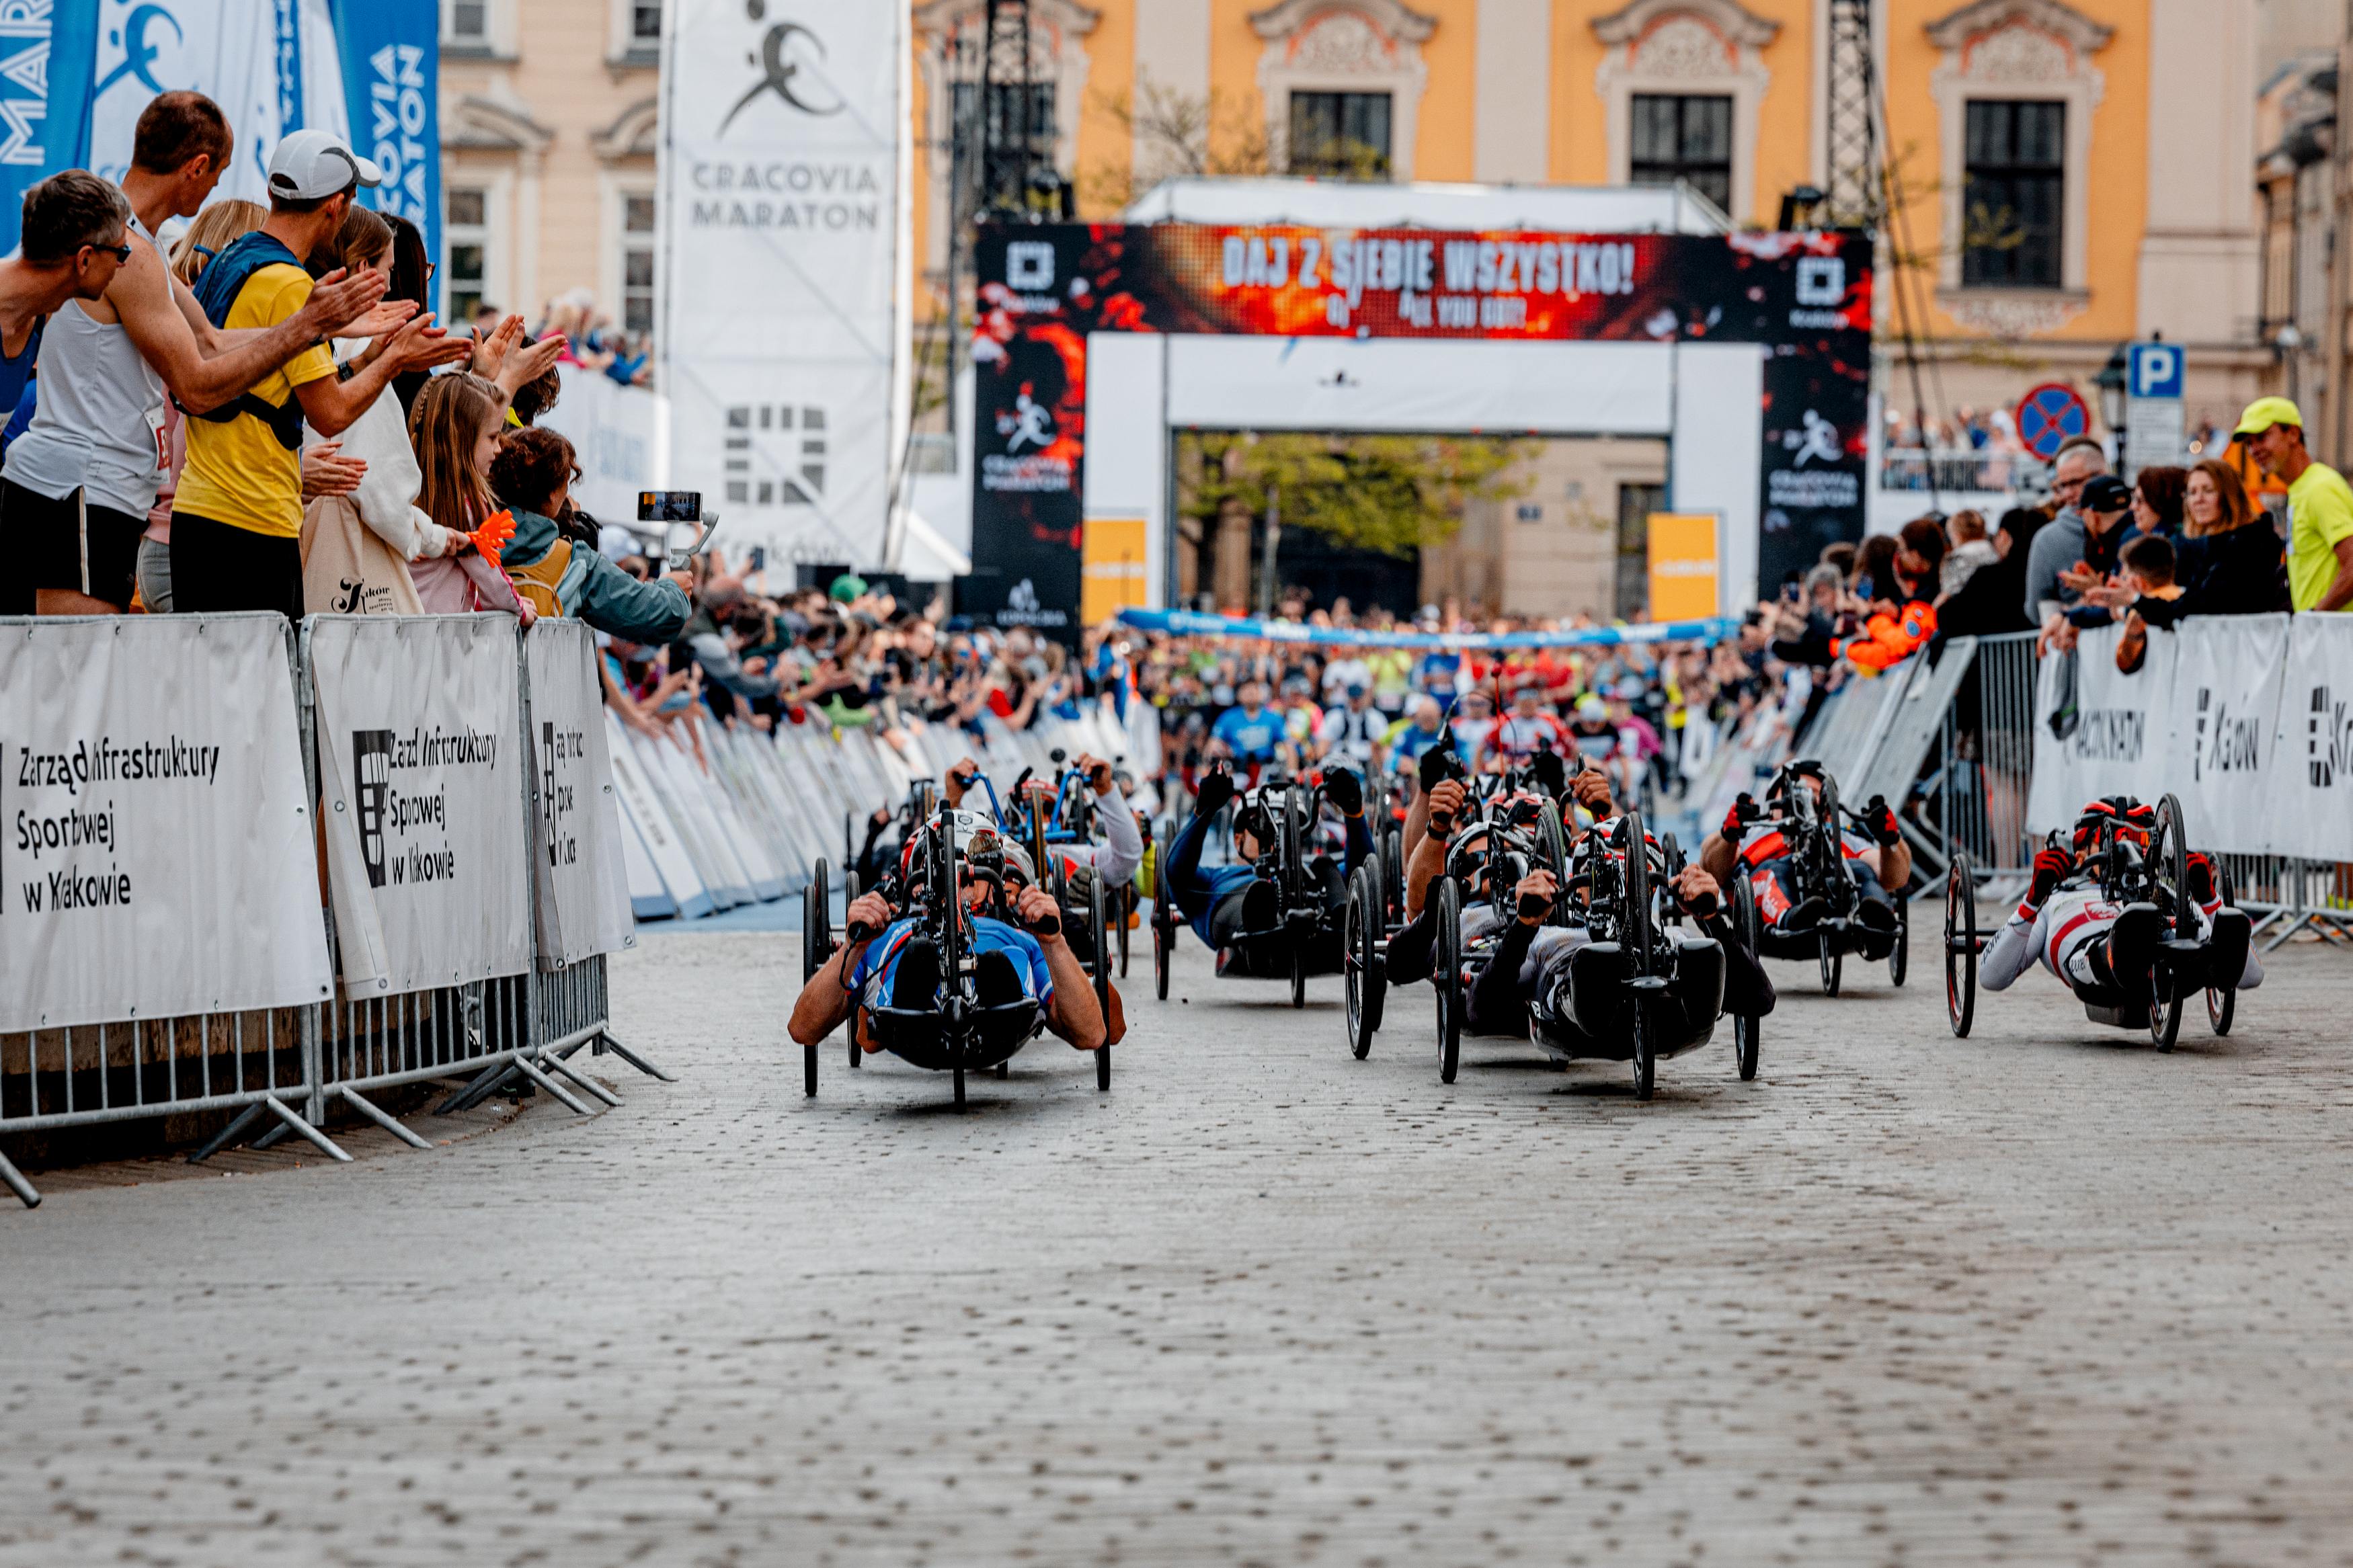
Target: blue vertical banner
point(49, 54)
point(392, 66)
point(286, 28)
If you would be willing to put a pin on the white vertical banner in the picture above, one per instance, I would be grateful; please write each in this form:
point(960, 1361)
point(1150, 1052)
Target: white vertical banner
point(420, 780)
point(583, 903)
point(2219, 757)
point(156, 831)
point(2309, 812)
point(782, 319)
point(271, 65)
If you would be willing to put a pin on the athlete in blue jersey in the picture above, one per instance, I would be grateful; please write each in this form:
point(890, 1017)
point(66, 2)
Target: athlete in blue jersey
point(898, 965)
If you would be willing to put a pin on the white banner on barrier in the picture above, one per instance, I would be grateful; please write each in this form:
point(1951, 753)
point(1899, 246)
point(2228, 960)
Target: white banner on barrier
point(422, 787)
point(2310, 808)
point(658, 834)
point(157, 855)
point(2118, 743)
point(2218, 757)
point(584, 905)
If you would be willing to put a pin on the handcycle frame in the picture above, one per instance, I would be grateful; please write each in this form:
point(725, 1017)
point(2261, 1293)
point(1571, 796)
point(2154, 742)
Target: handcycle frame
point(2181, 965)
point(965, 1034)
point(1818, 866)
point(1282, 861)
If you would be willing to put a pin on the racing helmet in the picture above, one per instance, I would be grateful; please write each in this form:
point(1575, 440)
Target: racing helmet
point(973, 832)
point(2130, 818)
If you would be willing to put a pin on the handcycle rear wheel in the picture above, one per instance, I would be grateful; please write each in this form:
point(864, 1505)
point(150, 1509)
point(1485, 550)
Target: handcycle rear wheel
point(2223, 1000)
point(1363, 983)
point(1163, 922)
point(2169, 859)
point(1447, 977)
point(1634, 930)
point(849, 896)
point(1960, 946)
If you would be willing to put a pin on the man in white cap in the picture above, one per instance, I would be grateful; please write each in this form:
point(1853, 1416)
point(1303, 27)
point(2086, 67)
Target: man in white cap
point(82, 478)
point(236, 518)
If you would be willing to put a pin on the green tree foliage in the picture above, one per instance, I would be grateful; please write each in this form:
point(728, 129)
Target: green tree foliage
point(1389, 493)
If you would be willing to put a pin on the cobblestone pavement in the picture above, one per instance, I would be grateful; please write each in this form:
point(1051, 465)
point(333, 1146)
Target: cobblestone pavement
point(2039, 1297)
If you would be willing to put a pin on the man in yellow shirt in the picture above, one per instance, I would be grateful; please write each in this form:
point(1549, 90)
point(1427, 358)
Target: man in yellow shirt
point(236, 518)
point(2320, 506)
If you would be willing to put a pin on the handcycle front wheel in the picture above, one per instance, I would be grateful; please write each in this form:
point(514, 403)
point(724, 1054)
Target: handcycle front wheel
point(1447, 977)
point(1363, 982)
point(1899, 957)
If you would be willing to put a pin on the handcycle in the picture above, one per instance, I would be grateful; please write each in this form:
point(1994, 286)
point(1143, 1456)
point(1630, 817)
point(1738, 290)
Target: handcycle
point(963, 1034)
point(1641, 991)
point(1820, 869)
point(817, 898)
point(1290, 813)
point(2126, 876)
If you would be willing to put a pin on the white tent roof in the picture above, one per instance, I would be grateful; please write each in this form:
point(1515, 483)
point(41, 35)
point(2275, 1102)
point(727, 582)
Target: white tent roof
point(925, 557)
point(1354, 204)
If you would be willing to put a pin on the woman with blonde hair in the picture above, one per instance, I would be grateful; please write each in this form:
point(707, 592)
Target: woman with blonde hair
point(2231, 561)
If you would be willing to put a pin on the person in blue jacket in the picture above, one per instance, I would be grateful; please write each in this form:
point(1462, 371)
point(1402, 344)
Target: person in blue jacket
point(1250, 734)
point(533, 475)
point(1226, 903)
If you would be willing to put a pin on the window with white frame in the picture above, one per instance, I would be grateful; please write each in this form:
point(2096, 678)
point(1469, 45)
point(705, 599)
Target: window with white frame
point(466, 22)
point(636, 262)
point(645, 24)
point(465, 250)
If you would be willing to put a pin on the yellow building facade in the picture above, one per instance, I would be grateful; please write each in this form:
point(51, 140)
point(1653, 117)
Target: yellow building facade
point(2073, 174)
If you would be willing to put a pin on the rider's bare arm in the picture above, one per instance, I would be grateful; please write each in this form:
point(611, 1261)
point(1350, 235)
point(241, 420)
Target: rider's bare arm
point(826, 1001)
point(960, 779)
point(1717, 858)
point(1073, 1013)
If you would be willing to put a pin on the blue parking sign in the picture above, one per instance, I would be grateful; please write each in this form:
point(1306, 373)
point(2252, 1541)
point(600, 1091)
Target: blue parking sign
point(2154, 370)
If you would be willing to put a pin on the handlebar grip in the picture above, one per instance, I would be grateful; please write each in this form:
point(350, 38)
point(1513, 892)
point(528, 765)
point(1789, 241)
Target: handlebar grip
point(858, 930)
point(1532, 904)
point(1050, 926)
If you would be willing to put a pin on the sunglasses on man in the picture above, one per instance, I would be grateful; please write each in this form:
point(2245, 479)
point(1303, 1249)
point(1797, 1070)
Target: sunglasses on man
point(121, 253)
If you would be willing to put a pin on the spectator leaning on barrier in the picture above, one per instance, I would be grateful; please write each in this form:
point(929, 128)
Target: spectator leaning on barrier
point(2060, 543)
point(456, 428)
point(74, 242)
point(2320, 506)
point(532, 476)
point(85, 475)
point(237, 522)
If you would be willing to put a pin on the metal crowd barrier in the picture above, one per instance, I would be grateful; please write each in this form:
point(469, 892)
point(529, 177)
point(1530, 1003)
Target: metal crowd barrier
point(1976, 795)
point(282, 1068)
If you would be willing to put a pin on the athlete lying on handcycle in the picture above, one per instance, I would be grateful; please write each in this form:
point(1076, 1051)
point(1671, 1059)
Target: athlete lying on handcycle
point(890, 963)
point(2073, 924)
point(1238, 909)
point(1764, 843)
point(1529, 971)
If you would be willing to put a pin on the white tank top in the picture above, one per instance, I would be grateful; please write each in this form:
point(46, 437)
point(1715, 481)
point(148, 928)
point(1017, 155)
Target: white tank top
point(99, 419)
